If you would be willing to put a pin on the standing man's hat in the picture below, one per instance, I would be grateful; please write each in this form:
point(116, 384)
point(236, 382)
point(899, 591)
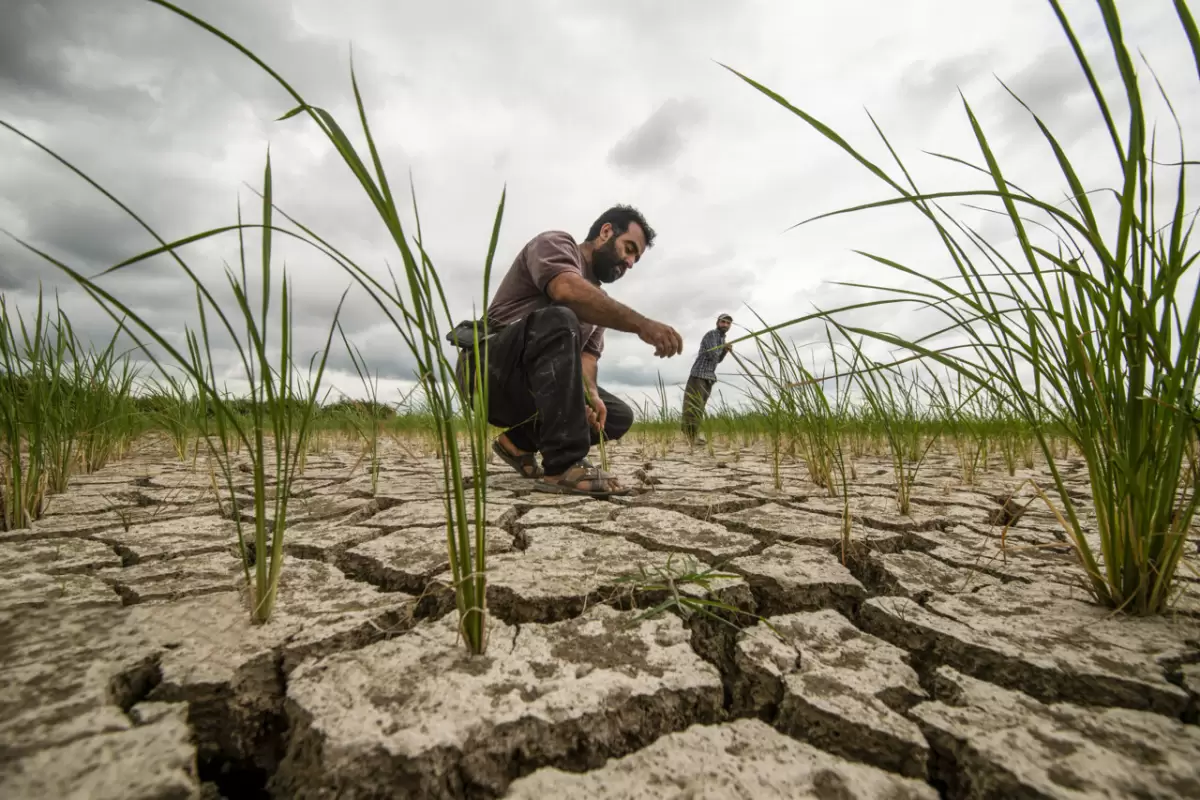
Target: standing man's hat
point(724, 316)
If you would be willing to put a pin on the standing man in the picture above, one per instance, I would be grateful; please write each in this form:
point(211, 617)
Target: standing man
point(552, 312)
point(704, 374)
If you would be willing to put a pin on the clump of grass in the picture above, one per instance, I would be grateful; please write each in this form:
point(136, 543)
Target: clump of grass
point(678, 586)
point(968, 422)
point(793, 398)
point(179, 409)
point(365, 419)
point(275, 390)
point(1093, 306)
point(413, 311)
point(895, 406)
point(103, 410)
point(417, 308)
point(30, 385)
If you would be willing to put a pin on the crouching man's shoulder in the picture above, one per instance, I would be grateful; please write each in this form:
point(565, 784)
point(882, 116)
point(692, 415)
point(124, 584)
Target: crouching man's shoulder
point(552, 242)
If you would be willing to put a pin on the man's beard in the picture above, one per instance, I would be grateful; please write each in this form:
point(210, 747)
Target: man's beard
point(607, 266)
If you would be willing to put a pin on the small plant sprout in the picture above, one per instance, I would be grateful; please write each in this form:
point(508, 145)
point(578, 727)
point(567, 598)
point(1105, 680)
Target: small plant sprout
point(682, 588)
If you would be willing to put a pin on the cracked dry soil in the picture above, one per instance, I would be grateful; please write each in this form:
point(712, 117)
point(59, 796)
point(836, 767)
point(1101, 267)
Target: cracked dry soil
point(925, 661)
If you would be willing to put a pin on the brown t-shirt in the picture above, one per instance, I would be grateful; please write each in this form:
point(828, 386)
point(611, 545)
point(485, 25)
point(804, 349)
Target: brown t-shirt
point(523, 289)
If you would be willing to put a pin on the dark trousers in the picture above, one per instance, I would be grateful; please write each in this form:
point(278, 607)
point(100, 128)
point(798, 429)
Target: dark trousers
point(695, 398)
point(535, 390)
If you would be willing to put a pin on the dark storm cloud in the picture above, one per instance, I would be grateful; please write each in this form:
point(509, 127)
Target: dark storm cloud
point(381, 349)
point(58, 46)
point(149, 105)
point(660, 139)
point(468, 96)
point(8, 279)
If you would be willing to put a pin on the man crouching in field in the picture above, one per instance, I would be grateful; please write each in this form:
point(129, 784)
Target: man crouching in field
point(552, 313)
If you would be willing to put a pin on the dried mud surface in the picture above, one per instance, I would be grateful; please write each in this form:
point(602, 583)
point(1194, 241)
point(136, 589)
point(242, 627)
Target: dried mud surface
point(711, 635)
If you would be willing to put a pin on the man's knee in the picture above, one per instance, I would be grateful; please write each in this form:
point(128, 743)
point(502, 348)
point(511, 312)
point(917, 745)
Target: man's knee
point(555, 319)
point(619, 419)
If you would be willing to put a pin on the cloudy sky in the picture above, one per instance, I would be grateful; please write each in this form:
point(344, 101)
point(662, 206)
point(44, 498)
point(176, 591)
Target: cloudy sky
point(570, 106)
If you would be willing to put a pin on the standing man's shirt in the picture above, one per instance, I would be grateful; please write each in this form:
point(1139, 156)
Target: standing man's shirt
point(706, 362)
point(523, 289)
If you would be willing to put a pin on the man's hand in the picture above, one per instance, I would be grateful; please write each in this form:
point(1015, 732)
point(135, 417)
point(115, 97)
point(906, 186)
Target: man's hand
point(666, 340)
point(729, 348)
point(597, 413)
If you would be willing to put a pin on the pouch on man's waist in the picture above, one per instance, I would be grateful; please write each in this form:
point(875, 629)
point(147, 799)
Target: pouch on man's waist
point(463, 334)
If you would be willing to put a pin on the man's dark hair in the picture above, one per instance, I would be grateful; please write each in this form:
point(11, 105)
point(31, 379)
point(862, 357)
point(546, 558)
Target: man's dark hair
point(619, 217)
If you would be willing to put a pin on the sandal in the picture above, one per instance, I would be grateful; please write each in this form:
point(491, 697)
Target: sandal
point(565, 485)
point(526, 464)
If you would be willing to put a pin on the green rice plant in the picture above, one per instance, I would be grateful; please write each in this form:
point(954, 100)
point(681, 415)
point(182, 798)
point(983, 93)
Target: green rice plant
point(1012, 439)
point(65, 406)
point(275, 388)
point(180, 410)
point(366, 420)
point(415, 317)
point(414, 312)
point(966, 418)
point(587, 397)
point(103, 411)
point(769, 402)
point(65, 396)
point(893, 401)
point(680, 588)
point(30, 383)
point(1090, 321)
point(784, 386)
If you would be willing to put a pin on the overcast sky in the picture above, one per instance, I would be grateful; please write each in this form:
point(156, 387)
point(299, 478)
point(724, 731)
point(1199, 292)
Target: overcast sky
point(571, 106)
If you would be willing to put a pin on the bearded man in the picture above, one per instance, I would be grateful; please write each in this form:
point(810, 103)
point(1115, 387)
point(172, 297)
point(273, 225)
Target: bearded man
point(546, 325)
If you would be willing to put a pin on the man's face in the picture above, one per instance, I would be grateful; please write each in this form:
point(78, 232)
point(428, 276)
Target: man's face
point(613, 256)
point(723, 324)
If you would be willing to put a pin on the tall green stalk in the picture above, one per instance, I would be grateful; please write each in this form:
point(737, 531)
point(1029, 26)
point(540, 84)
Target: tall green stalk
point(366, 421)
point(413, 305)
point(31, 364)
point(1097, 305)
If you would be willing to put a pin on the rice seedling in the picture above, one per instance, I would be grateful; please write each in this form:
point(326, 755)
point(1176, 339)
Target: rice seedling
point(968, 421)
point(414, 312)
point(1011, 439)
point(587, 397)
point(783, 386)
point(31, 380)
point(275, 389)
point(276, 393)
point(681, 589)
point(894, 405)
point(103, 411)
point(178, 408)
point(1089, 321)
point(771, 405)
point(365, 419)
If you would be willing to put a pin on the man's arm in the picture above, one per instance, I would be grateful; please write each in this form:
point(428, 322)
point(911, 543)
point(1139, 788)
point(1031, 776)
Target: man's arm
point(591, 368)
point(594, 306)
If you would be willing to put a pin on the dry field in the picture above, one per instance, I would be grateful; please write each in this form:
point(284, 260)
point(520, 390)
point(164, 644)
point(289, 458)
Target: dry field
point(943, 651)
point(729, 630)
